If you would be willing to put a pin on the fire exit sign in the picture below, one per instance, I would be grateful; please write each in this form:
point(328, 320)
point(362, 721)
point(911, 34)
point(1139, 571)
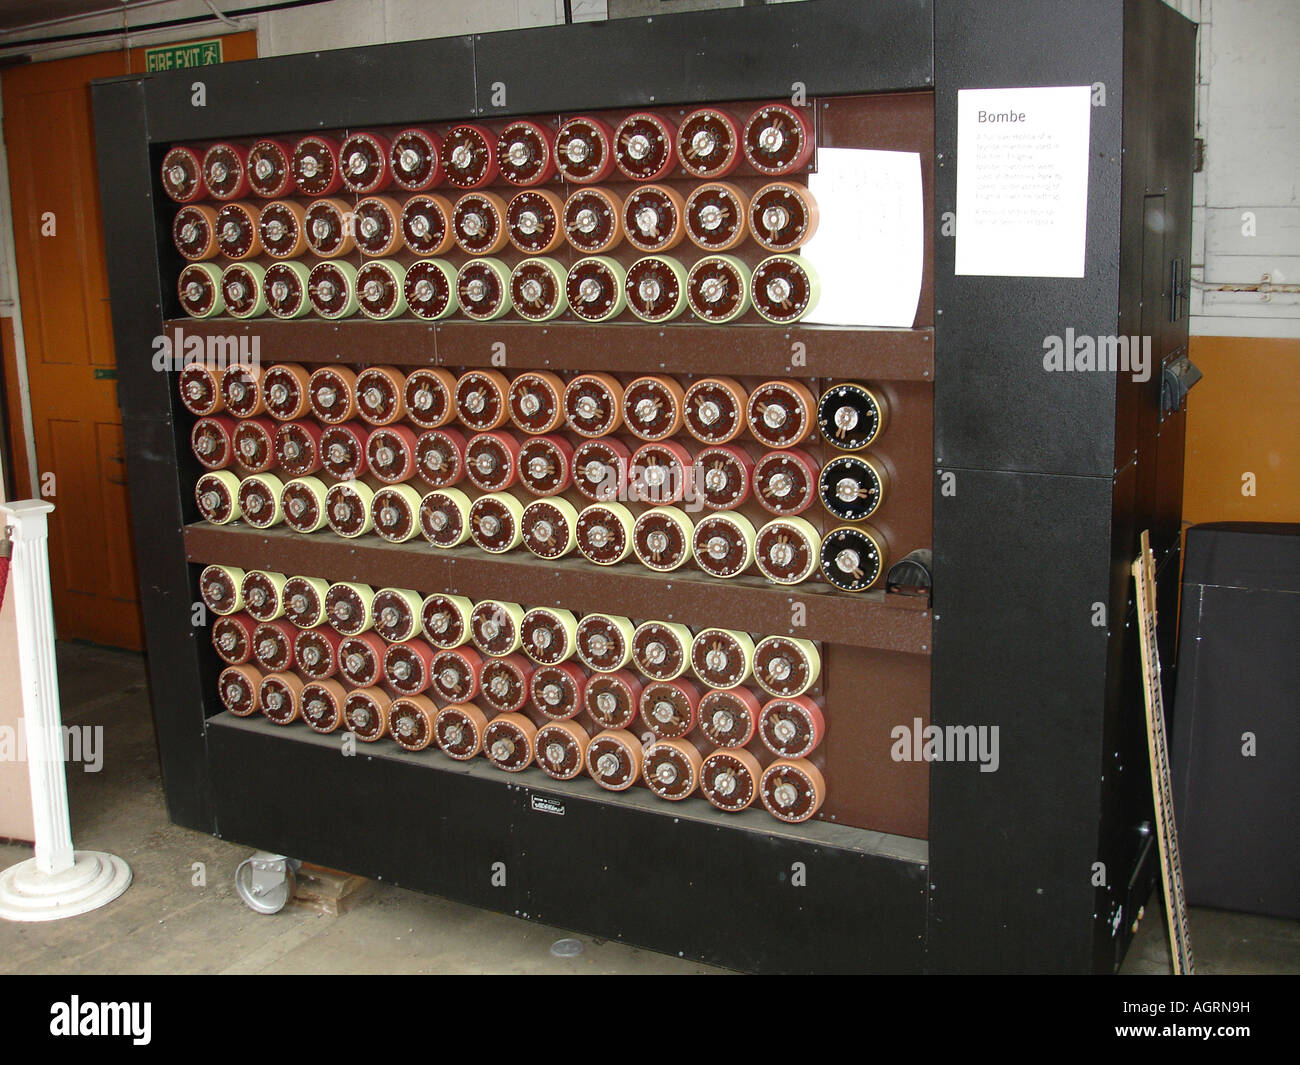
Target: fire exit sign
point(182, 56)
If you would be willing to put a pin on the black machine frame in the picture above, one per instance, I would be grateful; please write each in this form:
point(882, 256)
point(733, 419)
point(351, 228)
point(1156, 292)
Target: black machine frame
point(1055, 474)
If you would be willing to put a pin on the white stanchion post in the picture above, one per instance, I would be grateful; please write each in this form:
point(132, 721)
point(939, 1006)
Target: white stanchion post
point(58, 881)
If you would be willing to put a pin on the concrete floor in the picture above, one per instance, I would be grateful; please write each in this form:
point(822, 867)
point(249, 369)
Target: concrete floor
point(165, 924)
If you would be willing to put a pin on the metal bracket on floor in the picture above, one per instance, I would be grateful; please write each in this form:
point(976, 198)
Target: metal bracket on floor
point(265, 881)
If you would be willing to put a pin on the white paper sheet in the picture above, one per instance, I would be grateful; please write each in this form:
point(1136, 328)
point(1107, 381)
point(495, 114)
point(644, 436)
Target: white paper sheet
point(1022, 181)
point(869, 248)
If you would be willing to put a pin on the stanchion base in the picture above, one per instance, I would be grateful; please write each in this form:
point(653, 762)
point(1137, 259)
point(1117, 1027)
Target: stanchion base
point(95, 879)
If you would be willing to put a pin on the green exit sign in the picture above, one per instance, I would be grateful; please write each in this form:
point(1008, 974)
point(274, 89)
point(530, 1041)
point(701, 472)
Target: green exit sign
point(182, 56)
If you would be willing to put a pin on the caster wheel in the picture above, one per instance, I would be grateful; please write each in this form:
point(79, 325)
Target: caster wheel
point(524, 153)
point(361, 659)
point(263, 594)
point(708, 143)
point(495, 522)
point(381, 291)
point(722, 658)
point(365, 714)
point(534, 221)
point(225, 171)
point(222, 589)
point(670, 709)
point(458, 731)
point(216, 494)
point(549, 527)
point(592, 221)
point(724, 544)
point(444, 517)
point(397, 614)
point(440, 457)
point(363, 160)
point(537, 289)
point(593, 405)
point(494, 627)
point(614, 759)
point(561, 749)
point(279, 695)
point(852, 487)
point(716, 217)
point(350, 607)
point(282, 228)
point(652, 407)
point(783, 216)
point(331, 391)
point(395, 513)
point(605, 533)
point(315, 166)
point(661, 649)
point(546, 465)
point(584, 150)
point(508, 742)
point(604, 642)
point(717, 289)
point(194, 232)
point(430, 397)
point(265, 882)
point(316, 652)
point(322, 705)
point(851, 416)
point(408, 669)
point(426, 226)
point(232, 639)
point(304, 601)
point(645, 146)
point(547, 635)
point(212, 443)
point(503, 685)
point(478, 222)
point(285, 287)
point(729, 718)
point(236, 230)
point(785, 288)
point(853, 559)
point(492, 461)
point(661, 538)
point(445, 620)
point(595, 288)
point(469, 157)
point(778, 140)
point(410, 722)
point(414, 157)
point(656, 288)
point(332, 289)
point(243, 289)
point(787, 550)
point(601, 469)
point(557, 690)
point(348, 508)
point(785, 482)
point(343, 451)
point(182, 175)
point(238, 687)
point(199, 290)
point(672, 769)
point(654, 218)
point(390, 453)
point(781, 414)
point(729, 779)
point(792, 790)
point(259, 500)
point(612, 699)
point(329, 227)
point(791, 727)
point(483, 289)
point(785, 666)
point(270, 170)
point(724, 476)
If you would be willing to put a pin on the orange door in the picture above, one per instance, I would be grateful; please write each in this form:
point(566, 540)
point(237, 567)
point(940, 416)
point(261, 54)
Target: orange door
point(67, 330)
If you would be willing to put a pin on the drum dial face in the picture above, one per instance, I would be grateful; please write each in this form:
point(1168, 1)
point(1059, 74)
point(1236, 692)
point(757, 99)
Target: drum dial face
point(653, 218)
point(343, 452)
point(612, 698)
point(269, 169)
point(780, 413)
point(494, 524)
point(194, 232)
point(785, 482)
point(426, 225)
point(791, 728)
point(782, 216)
point(508, 742)
point(852, 487)
point(469, 157)
point(365, 713)
point(714, 410)
point(444, 517)
point(364, 163)
point(787, 550)
point(722, 658)
point(504, 683)
point(458, 731)
point(232, 639)
point(660, 650)
point(729, 718)
point(445, 621)
point(669, 708)
point(784, 288)
point(303, 602)
point(182, 175)
point(556, 690)
point(286, 290)
point(593, 221)
point(238, 687)
point(708, 143)
point(644, 146)
point(723, 477)
point(481, 400)
point(852, 559)
point(584, 150)
point(440, 457)
point(237, 231)
point(315, 166)
point(492, 461)
point(545, 465)
point(413, 159)
point(729, 779)
point(672, 769)
point(429, 398)
point(225, 171)
point(547, 635)
point(605, 533)
point(652, 407)
point(395, 512)
point(601, 469)
point(850, 416)
point(777, 140)
point(715, 217)
point(724, 544)
point(614, 759)
point(593, 405)
point(792, 791)
point(717, 288)
point(280, 227)
point(548, 528)
point(533, 221)
point(524, 153)
point(561, 749)
point(199, 289)
point(455, 674)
